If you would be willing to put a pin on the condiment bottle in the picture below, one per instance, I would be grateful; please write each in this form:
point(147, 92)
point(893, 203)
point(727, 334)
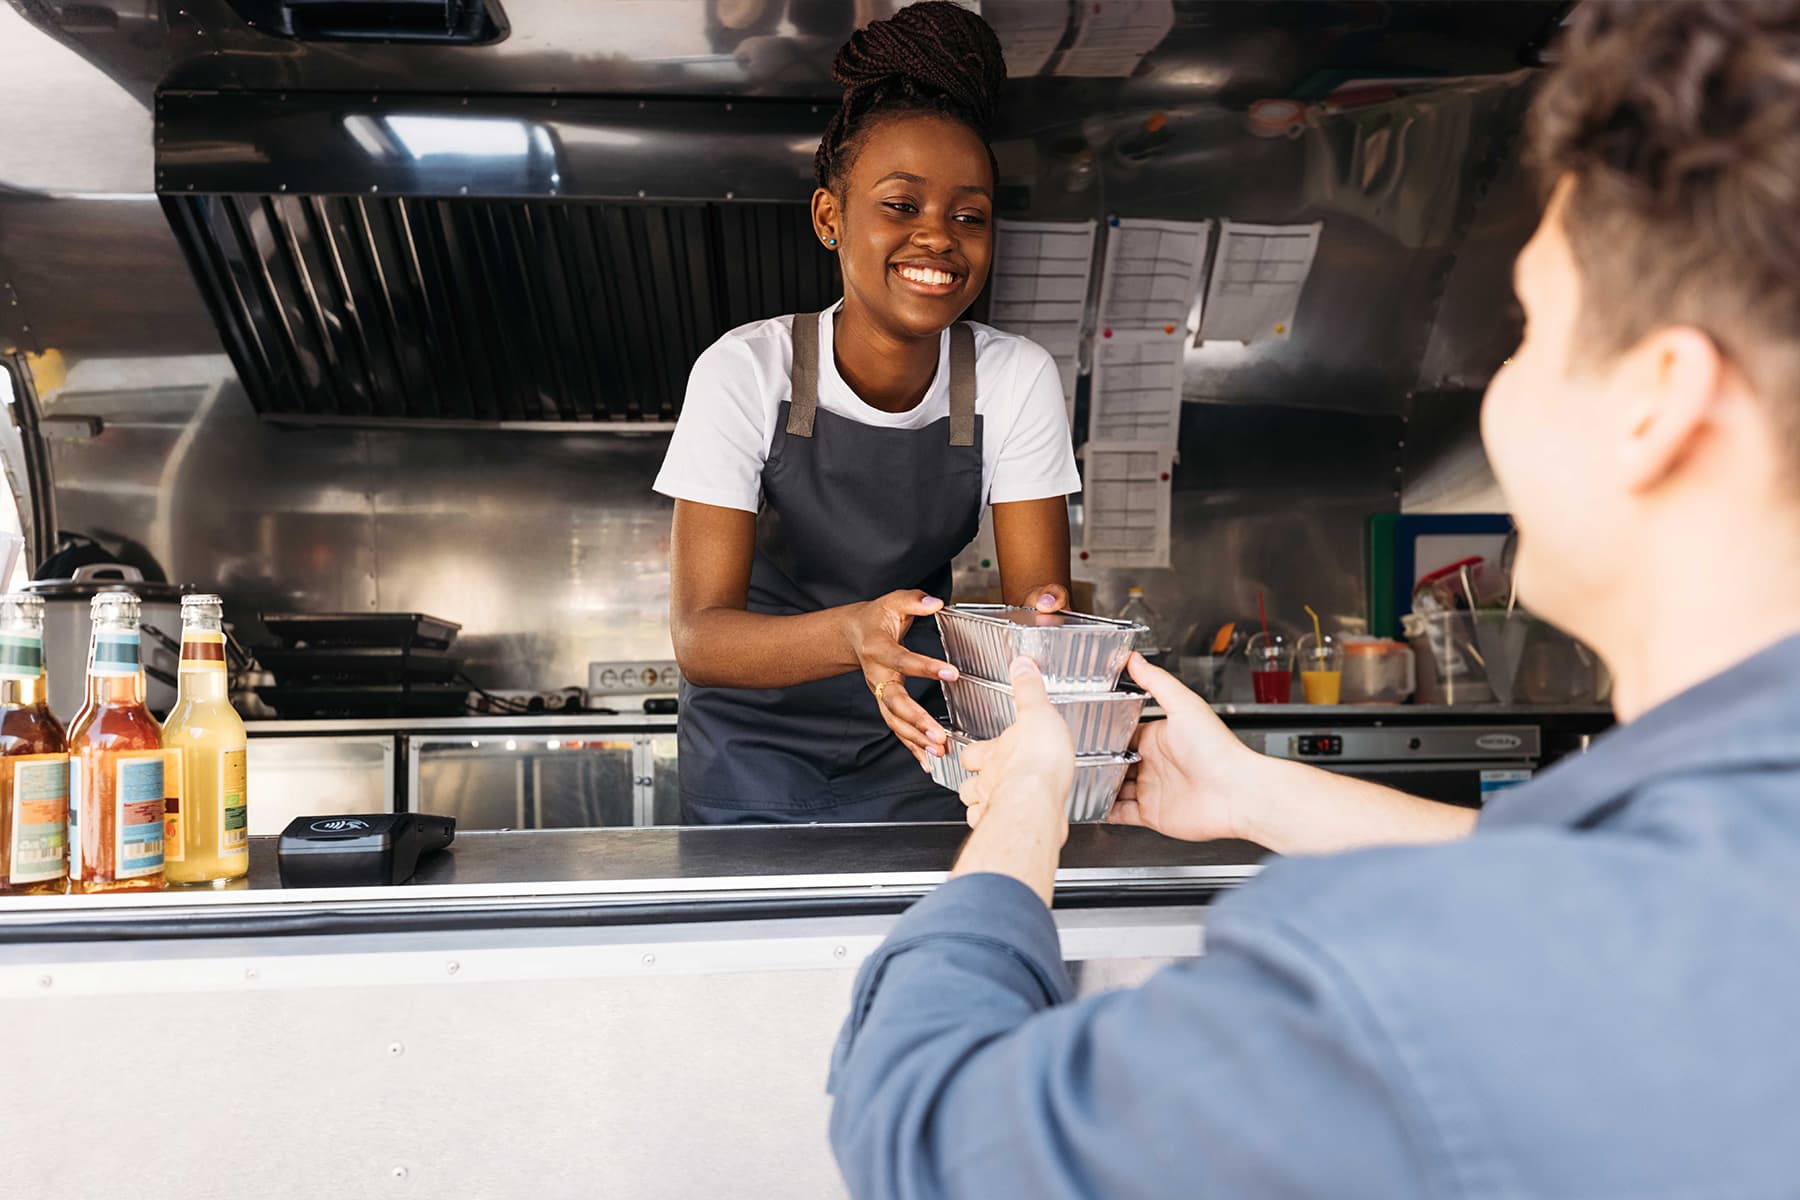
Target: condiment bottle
point(34, 758)
point(208, 834)
point(116, 777)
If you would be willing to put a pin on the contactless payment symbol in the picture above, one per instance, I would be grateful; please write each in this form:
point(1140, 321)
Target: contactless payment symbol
point(339, 825)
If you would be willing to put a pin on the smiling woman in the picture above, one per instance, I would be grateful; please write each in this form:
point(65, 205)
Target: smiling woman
point(828, 466)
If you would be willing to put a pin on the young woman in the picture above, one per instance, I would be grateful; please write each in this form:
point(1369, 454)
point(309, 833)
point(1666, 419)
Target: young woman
point(828, 466)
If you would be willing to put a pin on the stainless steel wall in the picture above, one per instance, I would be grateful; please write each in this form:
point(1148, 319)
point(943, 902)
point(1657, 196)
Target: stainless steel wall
point(551, 549)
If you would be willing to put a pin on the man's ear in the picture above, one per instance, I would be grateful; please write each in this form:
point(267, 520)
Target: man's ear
point(1672, 381)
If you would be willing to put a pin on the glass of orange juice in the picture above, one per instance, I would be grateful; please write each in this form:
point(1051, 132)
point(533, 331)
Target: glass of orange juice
point(1321, 663)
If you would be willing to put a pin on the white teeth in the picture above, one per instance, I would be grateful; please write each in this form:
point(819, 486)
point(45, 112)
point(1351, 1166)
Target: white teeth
point(927, 275)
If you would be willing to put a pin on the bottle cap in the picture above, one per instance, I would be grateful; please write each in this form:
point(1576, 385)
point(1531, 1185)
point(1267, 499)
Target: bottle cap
point(200, 599)
point(114, 606)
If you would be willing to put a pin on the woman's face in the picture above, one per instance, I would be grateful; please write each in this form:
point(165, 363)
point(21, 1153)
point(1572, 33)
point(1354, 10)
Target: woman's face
point(914, 224)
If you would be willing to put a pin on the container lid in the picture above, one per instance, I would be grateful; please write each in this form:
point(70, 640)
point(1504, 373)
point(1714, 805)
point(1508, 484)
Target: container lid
point(90, 579)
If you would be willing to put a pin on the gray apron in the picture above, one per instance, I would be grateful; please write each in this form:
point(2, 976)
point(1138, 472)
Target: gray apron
point(850, 512)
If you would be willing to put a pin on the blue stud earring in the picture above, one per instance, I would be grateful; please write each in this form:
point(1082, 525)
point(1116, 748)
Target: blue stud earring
point(832, 242)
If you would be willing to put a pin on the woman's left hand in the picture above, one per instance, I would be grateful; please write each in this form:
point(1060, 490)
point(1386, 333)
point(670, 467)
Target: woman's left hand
point(1047, 598)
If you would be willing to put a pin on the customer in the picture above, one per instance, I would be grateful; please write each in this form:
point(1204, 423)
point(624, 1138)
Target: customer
point(1590, 997)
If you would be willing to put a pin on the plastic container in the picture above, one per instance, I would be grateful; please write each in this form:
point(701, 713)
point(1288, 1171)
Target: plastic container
point(1321, 664)
point(1378, 671)
point(1271, 668)
point(1097, 777)
point(1076, 652)
point(1101, 722)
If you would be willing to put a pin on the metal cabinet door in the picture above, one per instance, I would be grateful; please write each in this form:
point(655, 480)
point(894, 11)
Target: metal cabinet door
point(292, 777)
point(524, 782)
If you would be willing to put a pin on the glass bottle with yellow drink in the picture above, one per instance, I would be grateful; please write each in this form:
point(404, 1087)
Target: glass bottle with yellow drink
point(208, 841)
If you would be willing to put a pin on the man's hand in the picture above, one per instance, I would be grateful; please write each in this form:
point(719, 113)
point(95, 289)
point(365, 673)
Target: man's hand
point(1019, 799)
point(1197, 781)
point(1195, 772)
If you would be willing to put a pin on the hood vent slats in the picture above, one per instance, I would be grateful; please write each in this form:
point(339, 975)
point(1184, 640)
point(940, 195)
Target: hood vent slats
point(380, 309)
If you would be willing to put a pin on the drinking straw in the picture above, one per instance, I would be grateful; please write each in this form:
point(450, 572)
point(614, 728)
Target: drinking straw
point(1318, 634)
point(1263, 612)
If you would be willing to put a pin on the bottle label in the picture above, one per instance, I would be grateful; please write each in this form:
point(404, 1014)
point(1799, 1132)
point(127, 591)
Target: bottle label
point(40, 827)
point(234, 827)
point(139, 798)
point(115, 653)
point(21, 655)
point(74, 818)
point(202, 651)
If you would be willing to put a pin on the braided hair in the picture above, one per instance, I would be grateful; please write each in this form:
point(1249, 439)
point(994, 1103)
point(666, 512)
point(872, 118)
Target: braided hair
point(933, 57)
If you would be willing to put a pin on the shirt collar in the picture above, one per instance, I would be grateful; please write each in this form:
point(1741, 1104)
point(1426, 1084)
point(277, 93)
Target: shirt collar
point(1748, 714)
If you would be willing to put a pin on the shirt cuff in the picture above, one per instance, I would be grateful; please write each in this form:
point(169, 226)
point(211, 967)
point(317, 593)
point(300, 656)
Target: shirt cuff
point(988, 905)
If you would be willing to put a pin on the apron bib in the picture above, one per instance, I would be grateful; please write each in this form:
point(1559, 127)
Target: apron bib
point(850, 512)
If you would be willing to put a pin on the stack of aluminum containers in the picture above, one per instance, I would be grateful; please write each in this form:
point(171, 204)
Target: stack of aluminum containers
point(1081, 658)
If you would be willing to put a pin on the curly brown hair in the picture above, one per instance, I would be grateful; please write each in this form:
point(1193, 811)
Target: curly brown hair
point(1678, 124)
point(933, 57)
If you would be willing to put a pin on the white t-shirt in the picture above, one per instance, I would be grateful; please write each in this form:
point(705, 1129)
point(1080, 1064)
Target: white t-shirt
point(736, 388)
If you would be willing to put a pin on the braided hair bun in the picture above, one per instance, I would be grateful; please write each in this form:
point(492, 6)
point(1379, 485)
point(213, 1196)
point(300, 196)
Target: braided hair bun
point(931, 57)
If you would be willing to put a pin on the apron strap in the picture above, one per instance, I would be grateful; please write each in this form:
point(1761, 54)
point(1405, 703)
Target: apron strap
point(962, 384)
point(803, 380)
point(803, 377)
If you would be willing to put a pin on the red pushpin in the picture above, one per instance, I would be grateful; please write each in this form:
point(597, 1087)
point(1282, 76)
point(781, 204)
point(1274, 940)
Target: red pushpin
point(1106, 333)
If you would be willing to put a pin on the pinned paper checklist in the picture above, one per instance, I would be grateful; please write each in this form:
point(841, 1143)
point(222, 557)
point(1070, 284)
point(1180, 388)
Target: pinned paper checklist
point(1113, 36)
point(1029, 31)
point(1135, 394)
point(1040, 287)
point(1152, 272)
point(1125, 499)
point(1257, 277)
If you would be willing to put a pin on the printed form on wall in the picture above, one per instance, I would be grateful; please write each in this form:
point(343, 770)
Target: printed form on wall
point(1040, 288)
point(1257, 279)
point(1113, 36)
point(1135, 394)
point(1126, 505)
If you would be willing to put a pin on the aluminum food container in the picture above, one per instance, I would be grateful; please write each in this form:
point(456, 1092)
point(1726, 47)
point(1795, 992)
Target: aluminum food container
point(1097, 777)
point(1076, 653)
point(1101, 722)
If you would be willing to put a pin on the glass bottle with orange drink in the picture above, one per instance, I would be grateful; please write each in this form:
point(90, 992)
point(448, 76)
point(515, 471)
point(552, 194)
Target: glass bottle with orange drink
point(208, 831)
point(34, 758)
point(116, 777)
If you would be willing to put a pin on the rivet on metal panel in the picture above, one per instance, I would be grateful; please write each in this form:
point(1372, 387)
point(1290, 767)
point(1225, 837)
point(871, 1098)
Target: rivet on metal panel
point(728, 108)
point(250, 973)
point(44, 981)
point(731, 195)
point(395, 1049)
point(453, 967)
point(839, 952)
point(374, 188)
point(465, 189)
point(642, 193)
point(649, 960)
point(553, 104)
point(281, 187)
point(398, 1172)
point(465, 102)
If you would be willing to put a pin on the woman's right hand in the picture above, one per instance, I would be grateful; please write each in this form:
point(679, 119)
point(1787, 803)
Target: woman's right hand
point(874, 631)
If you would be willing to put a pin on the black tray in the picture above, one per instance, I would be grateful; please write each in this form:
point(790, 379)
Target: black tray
point(367, 700)
point(363, 629)
point(357, 664)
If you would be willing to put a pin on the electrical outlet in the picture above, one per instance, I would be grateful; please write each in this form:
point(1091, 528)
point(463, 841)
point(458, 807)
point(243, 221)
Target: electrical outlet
point(632, 678)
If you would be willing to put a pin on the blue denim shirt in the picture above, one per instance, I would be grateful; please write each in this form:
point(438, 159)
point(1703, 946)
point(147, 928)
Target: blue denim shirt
point(1597, 995)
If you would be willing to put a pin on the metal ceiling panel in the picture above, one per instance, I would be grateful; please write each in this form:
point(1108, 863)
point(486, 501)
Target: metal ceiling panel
point(386, 309)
